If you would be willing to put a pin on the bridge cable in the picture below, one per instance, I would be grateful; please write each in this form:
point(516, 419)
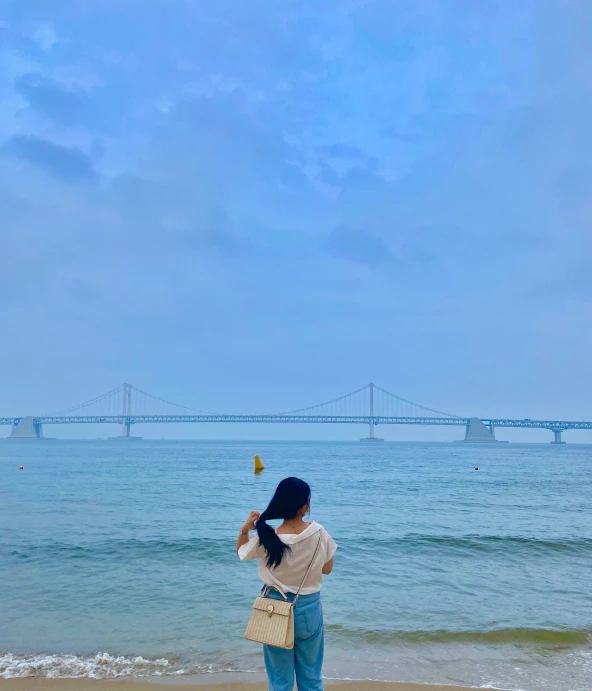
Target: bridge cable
point(175, 405)
point(416, 405)
point(320, 405)
point(87, 403)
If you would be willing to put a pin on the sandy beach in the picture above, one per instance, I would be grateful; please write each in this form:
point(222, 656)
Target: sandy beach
point(41, 684)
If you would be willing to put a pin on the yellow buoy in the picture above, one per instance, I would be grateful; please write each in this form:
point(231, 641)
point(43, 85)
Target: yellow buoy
point(258, 465)
point(21, 467)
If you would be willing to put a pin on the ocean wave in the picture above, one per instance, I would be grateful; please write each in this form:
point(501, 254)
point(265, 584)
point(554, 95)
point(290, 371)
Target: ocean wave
point(198, 547)
point(203, 548)
point(551, 637)
point(99, 666)
point(483, 543)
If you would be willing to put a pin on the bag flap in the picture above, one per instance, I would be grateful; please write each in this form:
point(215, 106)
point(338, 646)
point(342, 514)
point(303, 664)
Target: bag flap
point(266, 604)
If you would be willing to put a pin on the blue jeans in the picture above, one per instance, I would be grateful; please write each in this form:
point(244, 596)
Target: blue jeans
point(305, 660)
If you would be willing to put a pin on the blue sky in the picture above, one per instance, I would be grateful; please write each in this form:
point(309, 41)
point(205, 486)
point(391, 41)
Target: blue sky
point(257, 206)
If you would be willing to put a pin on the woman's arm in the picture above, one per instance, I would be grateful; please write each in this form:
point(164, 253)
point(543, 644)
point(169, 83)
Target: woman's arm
point(243, 536)
point(328, 567)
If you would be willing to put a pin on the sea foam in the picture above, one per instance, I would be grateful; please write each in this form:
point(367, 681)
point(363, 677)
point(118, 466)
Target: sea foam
point(101, 666)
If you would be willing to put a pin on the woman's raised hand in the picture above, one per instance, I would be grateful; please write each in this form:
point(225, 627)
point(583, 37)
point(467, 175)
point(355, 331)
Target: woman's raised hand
point(251, 520)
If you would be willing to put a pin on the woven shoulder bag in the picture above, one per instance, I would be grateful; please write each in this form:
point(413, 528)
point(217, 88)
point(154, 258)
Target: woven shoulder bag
point(272, 621)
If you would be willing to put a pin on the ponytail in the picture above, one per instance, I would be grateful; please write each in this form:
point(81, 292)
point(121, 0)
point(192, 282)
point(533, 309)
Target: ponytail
point(270, 541)
point(290, 496)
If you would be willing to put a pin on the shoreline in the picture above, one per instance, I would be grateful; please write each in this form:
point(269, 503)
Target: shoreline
point(85, 684)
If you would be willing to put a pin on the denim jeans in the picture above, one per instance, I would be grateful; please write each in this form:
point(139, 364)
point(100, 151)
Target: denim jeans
point(305, 660)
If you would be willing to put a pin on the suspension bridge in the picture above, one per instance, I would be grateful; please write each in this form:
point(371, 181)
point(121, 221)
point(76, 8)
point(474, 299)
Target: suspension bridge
point(370, 405)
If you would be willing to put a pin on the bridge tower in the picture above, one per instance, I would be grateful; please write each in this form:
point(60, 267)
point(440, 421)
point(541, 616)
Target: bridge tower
point(126, 414)
point(371, 436)
point(127, 410)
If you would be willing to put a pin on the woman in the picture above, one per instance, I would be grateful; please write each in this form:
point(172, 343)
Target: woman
point(285, 555)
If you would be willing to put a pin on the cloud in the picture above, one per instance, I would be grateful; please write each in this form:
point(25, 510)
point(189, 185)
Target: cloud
point(51, 100)
point(342, 159)
point(44, 35)
point(342, 151)
point(436, 242)
point(223, 242)
point(64, 163)
point(212, 231)
point(358, 246)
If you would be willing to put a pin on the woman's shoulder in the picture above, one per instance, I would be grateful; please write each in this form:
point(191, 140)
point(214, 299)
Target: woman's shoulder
point(324, 533)
point(317, 525)
point(328, 543)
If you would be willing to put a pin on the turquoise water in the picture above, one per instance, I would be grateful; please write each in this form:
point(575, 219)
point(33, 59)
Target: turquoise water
point(118, 559)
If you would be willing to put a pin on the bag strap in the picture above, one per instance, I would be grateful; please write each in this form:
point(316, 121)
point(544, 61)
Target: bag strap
point(314, 556)
point(267, 588)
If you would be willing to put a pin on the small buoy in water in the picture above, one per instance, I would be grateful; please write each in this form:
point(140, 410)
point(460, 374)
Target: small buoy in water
point(258, 465)
point(21, 467)
point(476, 467)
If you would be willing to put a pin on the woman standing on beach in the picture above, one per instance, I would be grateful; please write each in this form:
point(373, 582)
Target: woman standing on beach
point(286, 553)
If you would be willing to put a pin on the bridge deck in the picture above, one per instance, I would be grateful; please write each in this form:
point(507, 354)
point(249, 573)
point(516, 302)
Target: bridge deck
point(293, 419)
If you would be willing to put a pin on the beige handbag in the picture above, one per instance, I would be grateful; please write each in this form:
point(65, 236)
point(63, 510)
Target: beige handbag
point(272, 621)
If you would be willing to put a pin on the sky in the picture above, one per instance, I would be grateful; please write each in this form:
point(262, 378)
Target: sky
point(255, 207)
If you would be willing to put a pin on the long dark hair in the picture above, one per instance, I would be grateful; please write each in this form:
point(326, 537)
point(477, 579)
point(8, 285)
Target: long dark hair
point(290, 496)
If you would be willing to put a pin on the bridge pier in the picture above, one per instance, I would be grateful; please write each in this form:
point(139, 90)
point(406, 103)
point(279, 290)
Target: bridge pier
point(26, 428)
point(371, 436)
point(557, 433)
point(477, 433)
point(126, 428)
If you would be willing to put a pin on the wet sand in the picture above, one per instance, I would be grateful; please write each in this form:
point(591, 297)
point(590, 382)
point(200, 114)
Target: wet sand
point(43, 684)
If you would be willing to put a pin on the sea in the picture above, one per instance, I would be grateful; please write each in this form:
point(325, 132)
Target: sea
point(117, 559)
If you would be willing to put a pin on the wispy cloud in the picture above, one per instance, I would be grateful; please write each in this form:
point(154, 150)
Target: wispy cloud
point(50, 99)
point(65, 163)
